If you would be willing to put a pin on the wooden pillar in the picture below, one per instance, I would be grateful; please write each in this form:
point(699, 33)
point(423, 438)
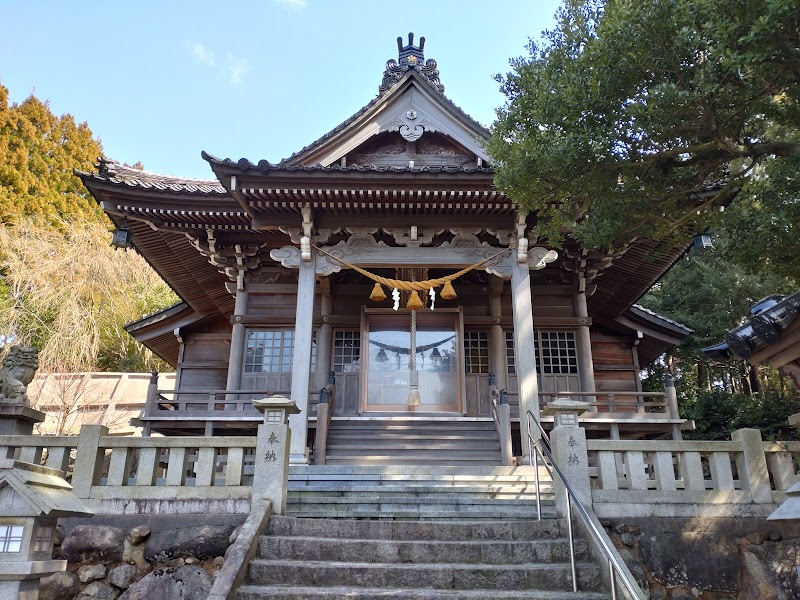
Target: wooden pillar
point(301, 360)
point(238, 334)
point(497, 337)
point(583, 343)
point(524, 353)
point(324, 337)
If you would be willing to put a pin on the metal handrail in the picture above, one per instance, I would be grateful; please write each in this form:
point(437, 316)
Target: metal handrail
point(543, 450)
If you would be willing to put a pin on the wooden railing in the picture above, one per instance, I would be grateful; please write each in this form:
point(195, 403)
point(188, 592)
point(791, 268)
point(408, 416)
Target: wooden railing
point(623, 403)
point(209, 403)
point(212, 405)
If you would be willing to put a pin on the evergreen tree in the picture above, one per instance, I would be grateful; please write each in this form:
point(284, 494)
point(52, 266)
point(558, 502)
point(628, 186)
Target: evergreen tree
point(62, 287)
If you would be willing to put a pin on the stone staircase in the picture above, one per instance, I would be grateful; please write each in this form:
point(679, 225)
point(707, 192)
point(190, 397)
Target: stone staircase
point(307, 559)
point(419, 493)
point(412, 440)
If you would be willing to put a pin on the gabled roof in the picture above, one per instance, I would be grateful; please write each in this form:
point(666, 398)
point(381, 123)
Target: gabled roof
point(410, 86)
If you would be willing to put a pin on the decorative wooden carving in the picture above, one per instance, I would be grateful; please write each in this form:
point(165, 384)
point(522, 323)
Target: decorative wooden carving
point(464, 249)
point(412, 123)
point(587, 266)
point(233, 261)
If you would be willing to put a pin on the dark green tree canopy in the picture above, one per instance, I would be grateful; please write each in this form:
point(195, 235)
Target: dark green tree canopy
point(636, 118)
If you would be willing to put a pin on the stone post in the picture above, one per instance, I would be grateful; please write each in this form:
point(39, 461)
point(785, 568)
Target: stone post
point(301, 360)
point(568, 444)
point(524, 353)
point(752, 467)
point(16, 419)
point(88, 459)
point(272, 452)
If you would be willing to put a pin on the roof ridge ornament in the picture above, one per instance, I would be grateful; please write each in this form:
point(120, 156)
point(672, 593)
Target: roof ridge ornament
point(410, 57)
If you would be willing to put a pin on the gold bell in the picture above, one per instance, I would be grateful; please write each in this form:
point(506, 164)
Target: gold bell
point(377, 293)
point(448, 293)
point(414, 302)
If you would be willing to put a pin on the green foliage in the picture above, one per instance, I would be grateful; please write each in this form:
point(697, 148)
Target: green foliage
point(711, 294)
point(765, 221)
point(70, 294)
point(62, 288)
point(37, 154)
point(718, 413)
point(622, 118)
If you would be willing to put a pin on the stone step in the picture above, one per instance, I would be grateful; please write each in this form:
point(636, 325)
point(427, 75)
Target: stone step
point(440, 471)
point(249, 592)
point(421, 511)
point(406, 551)
point(411, 461)
point(406, 443)
point(506, 530)
point(423, 575)
point(446, 422)
point(333, 488)
point(415, 436)
point(367, 499)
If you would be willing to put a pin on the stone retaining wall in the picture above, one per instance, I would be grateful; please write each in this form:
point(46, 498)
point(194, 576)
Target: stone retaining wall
point(140, 557)
point(711, 559)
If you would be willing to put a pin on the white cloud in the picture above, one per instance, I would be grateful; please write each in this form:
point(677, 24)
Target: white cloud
point(203, 54)
point(234, 68)
point(292, 4)
point(237, 68)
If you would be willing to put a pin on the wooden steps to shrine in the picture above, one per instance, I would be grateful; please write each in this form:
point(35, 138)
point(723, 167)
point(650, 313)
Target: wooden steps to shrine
point(413, 441)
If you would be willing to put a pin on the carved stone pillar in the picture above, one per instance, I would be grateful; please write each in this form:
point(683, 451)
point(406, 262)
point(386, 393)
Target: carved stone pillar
point(301, 362)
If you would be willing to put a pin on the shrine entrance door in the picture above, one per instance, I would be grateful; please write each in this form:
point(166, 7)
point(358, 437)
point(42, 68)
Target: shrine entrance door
point(439, 361)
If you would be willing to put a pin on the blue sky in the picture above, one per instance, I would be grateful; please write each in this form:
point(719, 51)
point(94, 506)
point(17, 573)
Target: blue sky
point(160, 81)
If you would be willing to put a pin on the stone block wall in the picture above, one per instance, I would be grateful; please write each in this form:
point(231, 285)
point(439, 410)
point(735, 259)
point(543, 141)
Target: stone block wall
point(710, 558)
point(140, 557)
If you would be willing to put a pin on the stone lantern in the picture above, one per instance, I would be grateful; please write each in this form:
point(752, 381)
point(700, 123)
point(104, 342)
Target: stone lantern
point(32, 498)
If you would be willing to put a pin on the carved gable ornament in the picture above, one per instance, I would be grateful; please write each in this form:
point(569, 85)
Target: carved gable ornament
point(410, 57)
point(412, 123)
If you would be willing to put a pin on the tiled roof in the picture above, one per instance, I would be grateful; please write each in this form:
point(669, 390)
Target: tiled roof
point(662, 318)
point(244, 164)
point(109, 171)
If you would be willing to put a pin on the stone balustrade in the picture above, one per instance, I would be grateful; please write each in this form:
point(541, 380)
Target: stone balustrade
point(181, 474)
point(126, 475)
point(744, 476)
